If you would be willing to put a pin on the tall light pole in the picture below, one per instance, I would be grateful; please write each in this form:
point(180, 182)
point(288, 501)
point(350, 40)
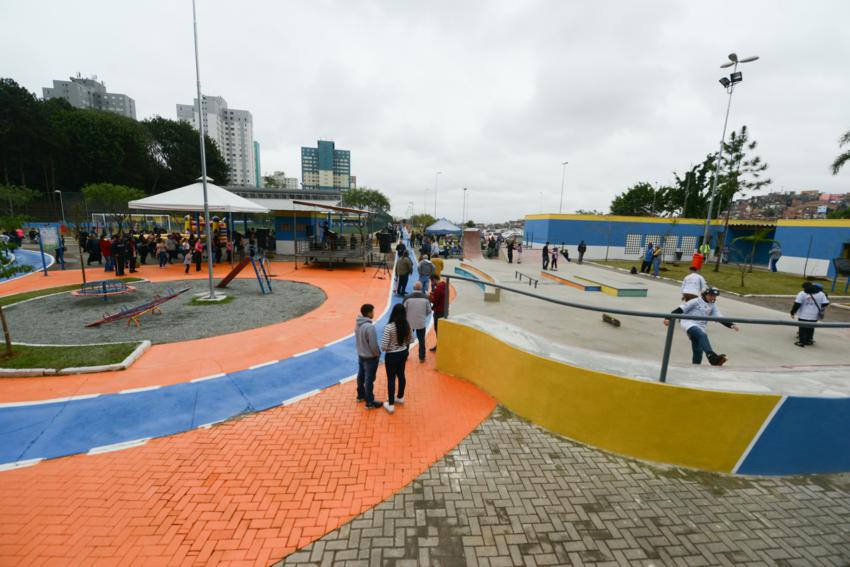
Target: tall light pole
point(436, 184)
point(563, 176)
point(201, 130)
point(464, 210)
point(61, 206)
point(729, 84)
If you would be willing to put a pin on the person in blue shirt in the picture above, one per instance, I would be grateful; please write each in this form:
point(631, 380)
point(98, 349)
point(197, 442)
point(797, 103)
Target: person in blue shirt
point(647, 259)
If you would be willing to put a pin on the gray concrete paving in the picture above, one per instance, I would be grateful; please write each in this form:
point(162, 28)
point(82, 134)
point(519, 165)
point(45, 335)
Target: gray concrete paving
point(754, 347)
point(61, 319)
point(514, 494)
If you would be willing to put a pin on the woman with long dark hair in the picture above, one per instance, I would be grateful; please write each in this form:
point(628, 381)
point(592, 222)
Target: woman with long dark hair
point(395, 341)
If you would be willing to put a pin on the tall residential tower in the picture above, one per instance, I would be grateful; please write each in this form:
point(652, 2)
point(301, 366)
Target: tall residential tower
point(88, 93)
point(232, 130)
point(324, 168)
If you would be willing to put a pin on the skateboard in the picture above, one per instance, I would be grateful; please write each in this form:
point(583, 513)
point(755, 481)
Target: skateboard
point(610, 320)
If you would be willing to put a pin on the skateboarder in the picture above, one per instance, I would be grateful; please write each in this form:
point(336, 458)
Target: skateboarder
point(809, 306)
point(704, 306)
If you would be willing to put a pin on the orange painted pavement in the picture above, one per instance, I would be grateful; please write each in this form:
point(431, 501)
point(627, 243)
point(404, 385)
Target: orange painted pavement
point(246, 492)
point(346, 289)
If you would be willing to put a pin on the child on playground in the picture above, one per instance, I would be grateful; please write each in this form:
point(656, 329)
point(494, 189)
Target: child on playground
point(187, 262)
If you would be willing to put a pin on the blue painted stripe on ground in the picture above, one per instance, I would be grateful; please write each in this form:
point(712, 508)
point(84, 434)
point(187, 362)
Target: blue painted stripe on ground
point(32, 259)
point(76, 426)
point(806, 436)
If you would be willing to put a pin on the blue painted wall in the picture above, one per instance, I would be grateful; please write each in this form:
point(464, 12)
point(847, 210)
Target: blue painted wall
point(806, 436)
point(598, 233)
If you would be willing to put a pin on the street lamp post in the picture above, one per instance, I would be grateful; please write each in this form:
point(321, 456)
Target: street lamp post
point(61, 206)
point(201, 129)
point(563, 176)
point(463, 223)
point(436, 185)
point(729, 84)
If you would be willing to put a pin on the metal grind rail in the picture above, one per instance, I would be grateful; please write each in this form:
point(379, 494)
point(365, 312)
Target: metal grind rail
point(668, 341)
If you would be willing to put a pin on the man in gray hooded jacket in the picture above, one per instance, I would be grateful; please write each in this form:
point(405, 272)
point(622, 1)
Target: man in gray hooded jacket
point(418, 310)
point(368, 354)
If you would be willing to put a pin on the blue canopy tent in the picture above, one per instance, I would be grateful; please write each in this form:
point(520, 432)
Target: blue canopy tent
point(442, 227)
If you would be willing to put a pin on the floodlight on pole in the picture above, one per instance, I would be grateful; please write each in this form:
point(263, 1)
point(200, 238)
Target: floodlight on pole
point(201, 130)
point(729, 84)
point(563, 176)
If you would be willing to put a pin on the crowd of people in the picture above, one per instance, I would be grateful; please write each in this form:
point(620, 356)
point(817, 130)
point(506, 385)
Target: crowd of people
point(407, 320)
point(129, 250)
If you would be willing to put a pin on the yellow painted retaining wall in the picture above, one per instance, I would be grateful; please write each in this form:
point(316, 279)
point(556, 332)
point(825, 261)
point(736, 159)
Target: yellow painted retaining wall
point(700, 429)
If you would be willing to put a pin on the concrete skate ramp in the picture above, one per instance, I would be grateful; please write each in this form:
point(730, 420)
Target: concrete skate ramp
point(471, 244)
point(679, 424)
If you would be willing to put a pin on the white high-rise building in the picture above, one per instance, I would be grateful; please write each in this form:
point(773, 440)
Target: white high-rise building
point(232, 130)
point(87, 92)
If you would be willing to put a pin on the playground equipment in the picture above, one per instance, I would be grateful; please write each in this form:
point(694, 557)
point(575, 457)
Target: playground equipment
point(134, 313)
point(103, 289)
point(263, 274)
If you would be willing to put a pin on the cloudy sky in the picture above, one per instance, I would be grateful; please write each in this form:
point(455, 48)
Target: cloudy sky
point(495, 94)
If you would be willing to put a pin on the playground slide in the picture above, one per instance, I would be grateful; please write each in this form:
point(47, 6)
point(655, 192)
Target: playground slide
point(471, 244)
point(233, 273)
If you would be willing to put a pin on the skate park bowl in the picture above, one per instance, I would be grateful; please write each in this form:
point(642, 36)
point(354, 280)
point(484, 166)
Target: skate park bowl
point(696, 427)
point(470, 271)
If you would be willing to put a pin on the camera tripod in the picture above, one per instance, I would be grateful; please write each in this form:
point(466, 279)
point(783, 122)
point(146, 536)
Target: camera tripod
point(383, 270)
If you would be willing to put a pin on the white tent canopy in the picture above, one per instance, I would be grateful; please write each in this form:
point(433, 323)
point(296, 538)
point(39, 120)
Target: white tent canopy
point(442, 227)
point(191, 198)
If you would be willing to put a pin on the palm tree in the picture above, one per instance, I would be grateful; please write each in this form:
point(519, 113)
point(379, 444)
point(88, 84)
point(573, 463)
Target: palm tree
point(842, 158)
point(756, 238)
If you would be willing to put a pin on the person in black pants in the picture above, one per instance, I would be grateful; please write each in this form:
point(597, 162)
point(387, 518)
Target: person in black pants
point(119, 253)
point(546, 256)
point(395, 343)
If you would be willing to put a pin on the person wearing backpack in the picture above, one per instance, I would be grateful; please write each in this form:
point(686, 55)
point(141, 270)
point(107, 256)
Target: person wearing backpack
point(426, 270)
point(809, 306)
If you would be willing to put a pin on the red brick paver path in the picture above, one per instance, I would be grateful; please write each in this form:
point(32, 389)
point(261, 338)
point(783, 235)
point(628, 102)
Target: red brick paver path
point(245, 492)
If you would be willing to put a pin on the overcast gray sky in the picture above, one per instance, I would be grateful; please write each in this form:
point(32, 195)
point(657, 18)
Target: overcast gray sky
point(495, 94)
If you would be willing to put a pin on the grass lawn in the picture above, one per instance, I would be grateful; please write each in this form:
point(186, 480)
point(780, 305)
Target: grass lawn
point(199, 301)
point(759, 282)
point(65, 356)
point(9, 299)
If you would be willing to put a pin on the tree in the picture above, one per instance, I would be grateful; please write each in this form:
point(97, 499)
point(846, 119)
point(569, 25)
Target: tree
point(589, 212)
point(12, 196)
point(843, 157)
point(839, 213)
point(421, 221)
point(690, 194)
point(642, 200)
point(111, 199)
point(758, 237)
point(175, 150)
point(7, 270)
point(469, 224)
point(742, 174)
point(365, 198)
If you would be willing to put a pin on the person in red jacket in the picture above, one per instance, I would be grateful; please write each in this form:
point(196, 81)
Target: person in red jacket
point(438, 301)
point(106, 253)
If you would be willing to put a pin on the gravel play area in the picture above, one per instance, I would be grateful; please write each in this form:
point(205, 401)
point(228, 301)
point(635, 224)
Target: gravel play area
point(61, 319)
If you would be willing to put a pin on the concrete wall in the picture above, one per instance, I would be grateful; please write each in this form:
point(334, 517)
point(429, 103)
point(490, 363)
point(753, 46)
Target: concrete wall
point(710, 430)
point(609, 236)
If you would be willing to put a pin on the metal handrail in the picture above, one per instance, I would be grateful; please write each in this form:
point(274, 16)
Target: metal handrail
point(648, 314)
